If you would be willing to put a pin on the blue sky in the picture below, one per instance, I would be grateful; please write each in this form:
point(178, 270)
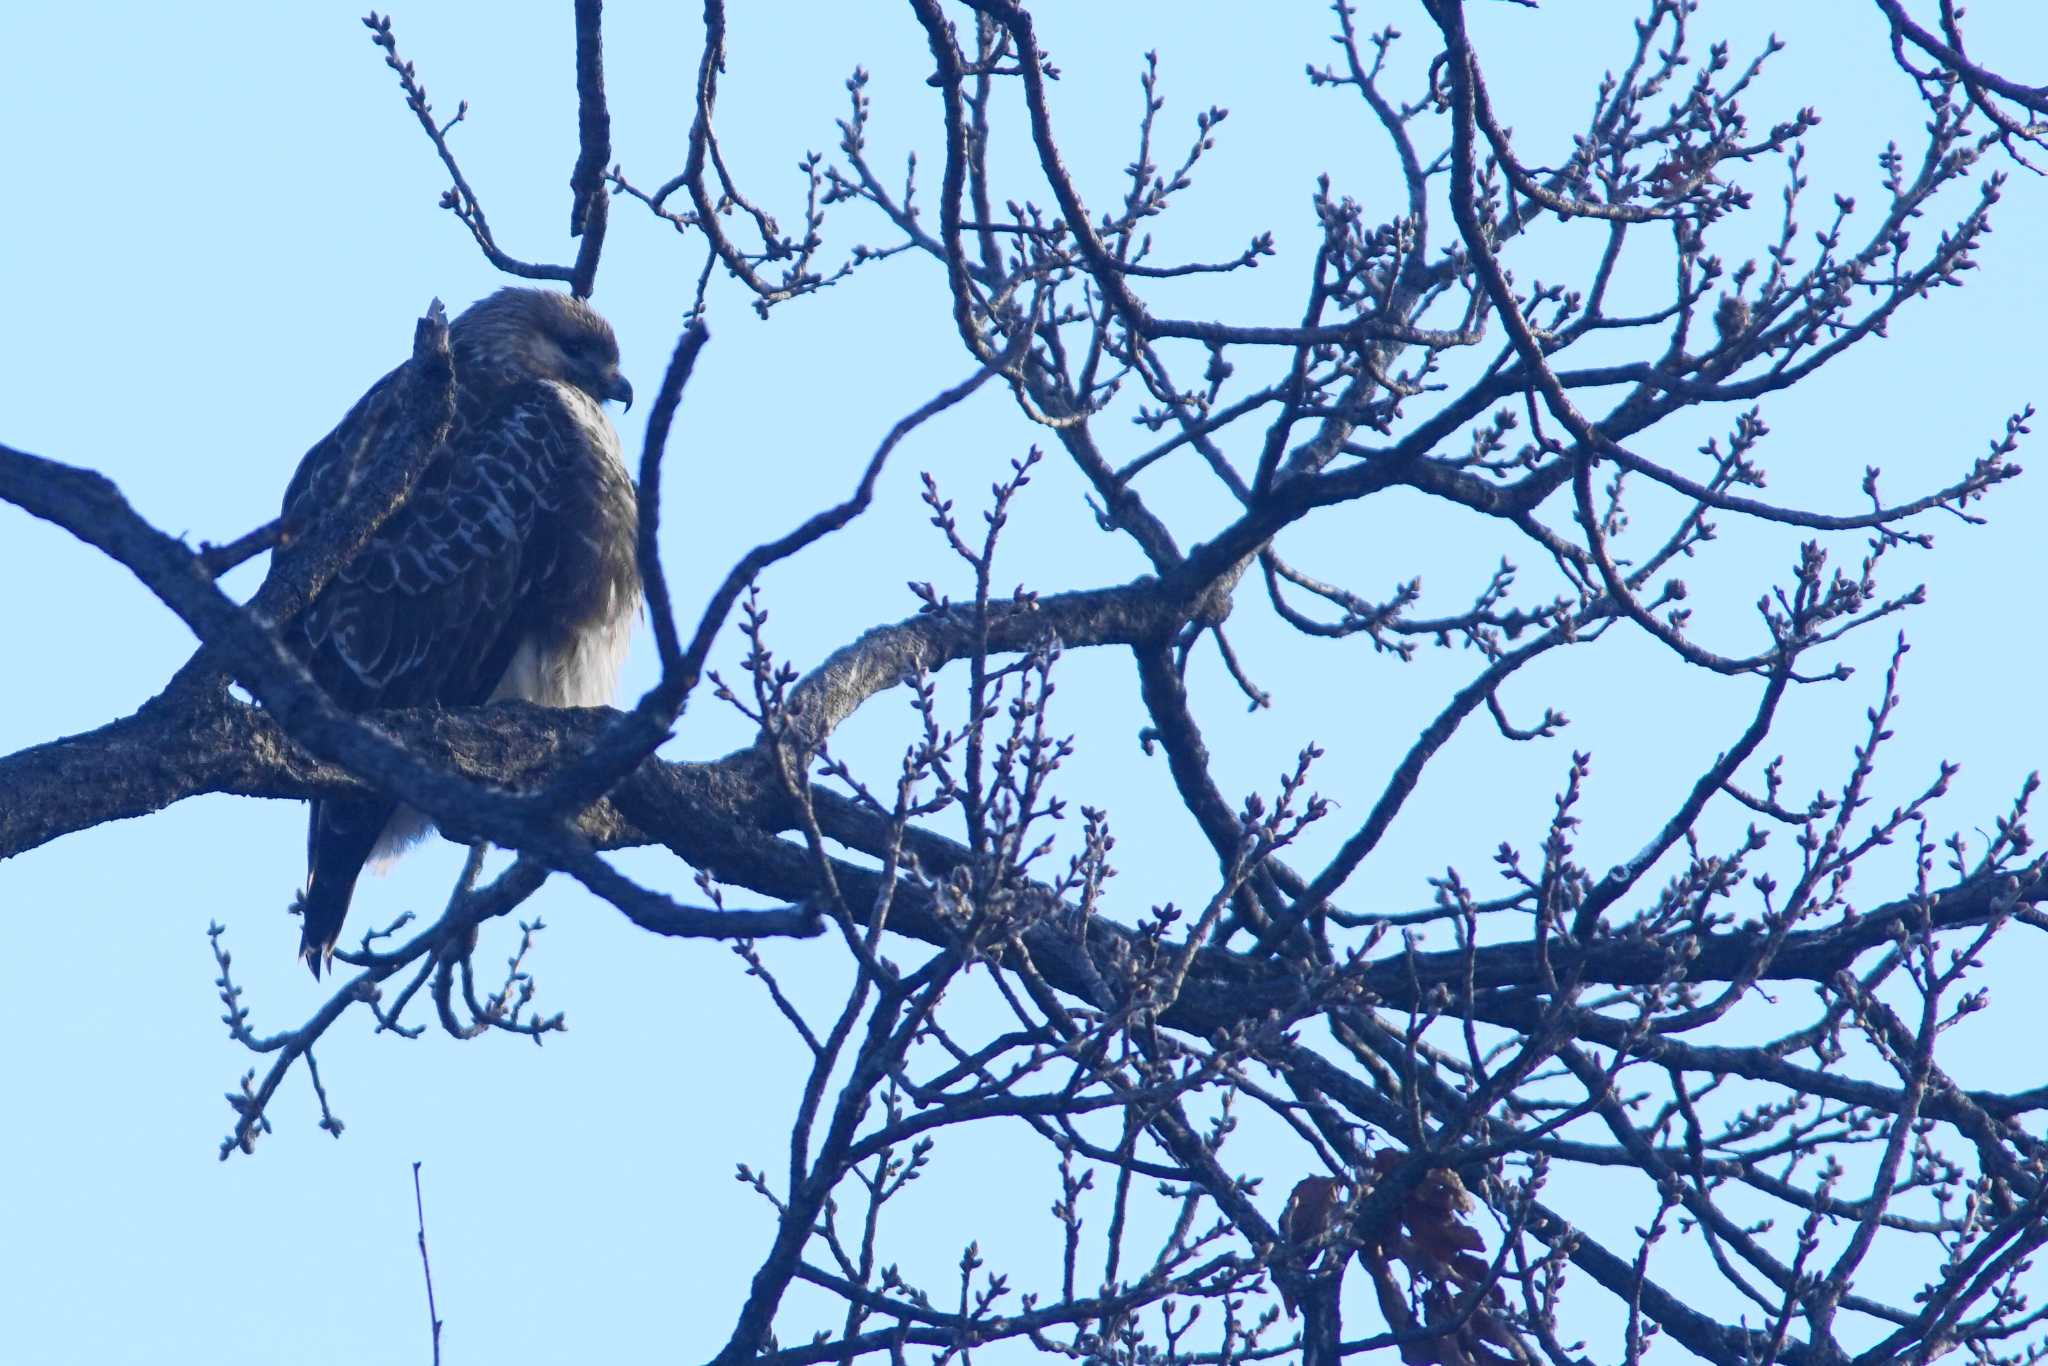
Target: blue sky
point(222, 222)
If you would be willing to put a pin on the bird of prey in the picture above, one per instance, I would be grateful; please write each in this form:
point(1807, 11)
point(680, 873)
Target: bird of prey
point(509, 572)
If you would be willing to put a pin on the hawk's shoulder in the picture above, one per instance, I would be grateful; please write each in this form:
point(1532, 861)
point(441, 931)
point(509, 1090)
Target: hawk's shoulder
point(338, 459)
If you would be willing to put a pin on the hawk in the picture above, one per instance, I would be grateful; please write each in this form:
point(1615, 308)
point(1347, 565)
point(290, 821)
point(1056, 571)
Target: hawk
point(509, 572)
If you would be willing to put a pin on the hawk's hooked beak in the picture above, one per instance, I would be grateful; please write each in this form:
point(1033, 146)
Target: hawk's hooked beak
point(620, 392)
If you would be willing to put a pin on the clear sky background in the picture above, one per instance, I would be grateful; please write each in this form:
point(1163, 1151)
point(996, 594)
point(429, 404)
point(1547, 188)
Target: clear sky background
point(219, 223)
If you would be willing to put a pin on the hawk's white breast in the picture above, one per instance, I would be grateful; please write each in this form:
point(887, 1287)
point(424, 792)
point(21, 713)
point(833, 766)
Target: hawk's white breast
point(583, 670)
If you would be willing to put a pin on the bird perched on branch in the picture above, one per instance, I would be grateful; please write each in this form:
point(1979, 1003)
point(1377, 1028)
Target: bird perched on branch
point(508, 572)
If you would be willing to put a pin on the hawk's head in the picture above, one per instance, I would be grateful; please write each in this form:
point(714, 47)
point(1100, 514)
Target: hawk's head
point(541, 334)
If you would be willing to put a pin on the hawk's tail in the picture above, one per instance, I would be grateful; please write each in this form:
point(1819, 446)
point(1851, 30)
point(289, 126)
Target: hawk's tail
point(339, 838)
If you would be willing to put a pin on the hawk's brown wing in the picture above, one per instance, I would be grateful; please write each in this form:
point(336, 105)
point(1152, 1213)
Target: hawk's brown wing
point(434, 607)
